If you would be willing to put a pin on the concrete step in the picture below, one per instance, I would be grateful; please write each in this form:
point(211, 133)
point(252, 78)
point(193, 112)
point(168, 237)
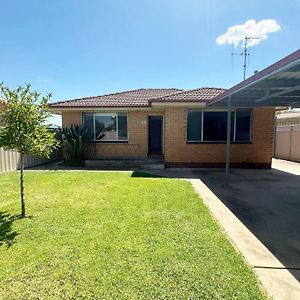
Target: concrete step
point(124, 164)
point(152, 166)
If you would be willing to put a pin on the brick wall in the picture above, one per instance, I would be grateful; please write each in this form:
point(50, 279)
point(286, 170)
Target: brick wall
point(179, 153)
point(137, 145)
point(70, 118)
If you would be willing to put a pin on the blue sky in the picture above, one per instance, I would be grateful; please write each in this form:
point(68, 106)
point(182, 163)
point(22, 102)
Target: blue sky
point(76, 48)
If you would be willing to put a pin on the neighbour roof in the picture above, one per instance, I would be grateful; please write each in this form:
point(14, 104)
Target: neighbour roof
point(288, 115)
point(133, 98)
point(204, 94)
point(141, 98)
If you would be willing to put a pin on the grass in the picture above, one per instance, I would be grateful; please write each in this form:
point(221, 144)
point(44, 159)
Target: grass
point(113, 236)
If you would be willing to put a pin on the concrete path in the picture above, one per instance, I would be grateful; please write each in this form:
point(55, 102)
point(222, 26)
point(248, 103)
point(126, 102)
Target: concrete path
point(260, 212)
point(286, 166)
point(273, 275)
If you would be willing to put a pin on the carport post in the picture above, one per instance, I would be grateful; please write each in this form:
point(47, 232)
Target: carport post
point(228, 138)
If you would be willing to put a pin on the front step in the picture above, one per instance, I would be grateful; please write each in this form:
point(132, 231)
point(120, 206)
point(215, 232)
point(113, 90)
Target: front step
point(126, 164)
point(153, 166)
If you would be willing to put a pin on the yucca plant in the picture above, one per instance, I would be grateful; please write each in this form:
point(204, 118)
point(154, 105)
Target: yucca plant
point(72, 139)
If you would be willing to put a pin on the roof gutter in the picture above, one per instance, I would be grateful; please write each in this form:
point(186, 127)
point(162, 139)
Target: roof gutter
point(154, 105)
point(179, 104)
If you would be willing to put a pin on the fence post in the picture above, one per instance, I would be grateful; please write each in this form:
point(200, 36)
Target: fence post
point(290, 145)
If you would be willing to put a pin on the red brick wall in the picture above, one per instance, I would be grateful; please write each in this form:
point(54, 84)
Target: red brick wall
point(179, 153)
point(70, 118)
point(137, 145)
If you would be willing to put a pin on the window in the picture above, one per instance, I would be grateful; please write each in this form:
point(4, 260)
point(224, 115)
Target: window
point(106, 126)
point(89, 125)
point(194, 126)
point(215, 126)
point(243, 125)
point(211, 126)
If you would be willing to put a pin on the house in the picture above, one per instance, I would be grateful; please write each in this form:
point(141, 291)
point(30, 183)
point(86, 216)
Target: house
point(178, 125)
point(288, 118)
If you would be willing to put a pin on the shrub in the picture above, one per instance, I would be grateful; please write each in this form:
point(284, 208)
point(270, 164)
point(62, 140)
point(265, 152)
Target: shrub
point(73, 140)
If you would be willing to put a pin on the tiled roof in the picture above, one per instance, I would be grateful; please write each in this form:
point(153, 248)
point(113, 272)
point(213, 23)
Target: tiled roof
point(141, 98)
point(197, 95)
point(134, 98)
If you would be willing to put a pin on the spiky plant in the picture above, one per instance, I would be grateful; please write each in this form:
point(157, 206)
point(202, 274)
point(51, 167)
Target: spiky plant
point(73, 140)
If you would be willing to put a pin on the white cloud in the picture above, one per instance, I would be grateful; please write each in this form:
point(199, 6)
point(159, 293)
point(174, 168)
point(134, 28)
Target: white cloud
point(236, 34)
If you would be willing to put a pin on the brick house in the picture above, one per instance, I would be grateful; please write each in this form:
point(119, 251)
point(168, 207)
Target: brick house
point(178, 125)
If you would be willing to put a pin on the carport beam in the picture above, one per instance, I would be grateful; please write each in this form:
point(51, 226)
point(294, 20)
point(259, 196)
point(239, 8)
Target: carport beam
point(228, 138)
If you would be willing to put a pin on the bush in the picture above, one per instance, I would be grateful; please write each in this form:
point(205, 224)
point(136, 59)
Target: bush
point(73, 140)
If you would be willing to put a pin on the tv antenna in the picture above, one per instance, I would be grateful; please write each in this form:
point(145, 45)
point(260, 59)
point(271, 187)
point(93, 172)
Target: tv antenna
point(245, 53)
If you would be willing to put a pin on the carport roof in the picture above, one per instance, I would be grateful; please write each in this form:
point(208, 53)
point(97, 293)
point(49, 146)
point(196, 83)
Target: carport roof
point(277, 85)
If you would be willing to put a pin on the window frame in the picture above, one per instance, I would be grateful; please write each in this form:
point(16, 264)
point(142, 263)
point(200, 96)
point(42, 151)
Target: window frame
point(234, 110)
point(107, 114)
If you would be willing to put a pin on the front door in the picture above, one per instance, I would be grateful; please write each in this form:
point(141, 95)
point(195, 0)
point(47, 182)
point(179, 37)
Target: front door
point(155, 134)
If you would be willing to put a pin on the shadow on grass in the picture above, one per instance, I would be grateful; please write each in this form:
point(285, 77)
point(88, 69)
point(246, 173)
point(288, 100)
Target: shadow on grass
point(139, 174)
point(7, 235)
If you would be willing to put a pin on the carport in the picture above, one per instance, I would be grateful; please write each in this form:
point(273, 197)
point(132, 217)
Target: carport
point(276, 86)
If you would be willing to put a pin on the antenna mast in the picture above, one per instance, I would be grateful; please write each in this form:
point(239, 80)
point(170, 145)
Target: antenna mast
point(245, 53)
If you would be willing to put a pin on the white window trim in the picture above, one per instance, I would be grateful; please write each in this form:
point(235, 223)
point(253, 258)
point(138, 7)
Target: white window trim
point(117, 125)
point(234, 128)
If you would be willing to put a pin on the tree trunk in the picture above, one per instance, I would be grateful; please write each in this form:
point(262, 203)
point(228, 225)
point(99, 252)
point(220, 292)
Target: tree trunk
point(22, 186)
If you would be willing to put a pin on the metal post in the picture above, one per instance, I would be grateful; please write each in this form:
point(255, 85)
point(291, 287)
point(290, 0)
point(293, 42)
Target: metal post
point(228, 138)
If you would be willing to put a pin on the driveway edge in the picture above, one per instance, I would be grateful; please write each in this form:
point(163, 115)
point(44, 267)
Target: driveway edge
point(275, 278)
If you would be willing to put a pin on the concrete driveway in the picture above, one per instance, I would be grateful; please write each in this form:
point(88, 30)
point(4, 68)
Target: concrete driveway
point(267, 202)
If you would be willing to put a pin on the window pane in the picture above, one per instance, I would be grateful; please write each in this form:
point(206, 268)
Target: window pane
point(122, 127)
point(215, 126)
point(194, 124)
point(105, 127)
point(243, 121)
point(88, 121)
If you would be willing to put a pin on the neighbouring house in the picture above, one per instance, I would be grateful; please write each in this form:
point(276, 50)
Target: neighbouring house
point(177, 124)
point(288, 118)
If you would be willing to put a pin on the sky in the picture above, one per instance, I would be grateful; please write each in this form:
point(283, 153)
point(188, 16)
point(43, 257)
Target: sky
point(77, 48)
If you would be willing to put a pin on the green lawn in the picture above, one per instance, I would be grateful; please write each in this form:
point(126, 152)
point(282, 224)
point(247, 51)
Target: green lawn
point(113, 236)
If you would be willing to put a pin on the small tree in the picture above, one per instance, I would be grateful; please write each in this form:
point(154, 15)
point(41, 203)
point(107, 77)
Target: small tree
point(24, 128)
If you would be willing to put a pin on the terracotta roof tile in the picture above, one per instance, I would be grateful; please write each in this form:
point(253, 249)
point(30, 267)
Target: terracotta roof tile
point(141, 98)
point(133, 98)
point(204, 94)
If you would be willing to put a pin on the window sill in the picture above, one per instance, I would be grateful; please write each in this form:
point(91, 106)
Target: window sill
point(218, 142)
point(108, 142)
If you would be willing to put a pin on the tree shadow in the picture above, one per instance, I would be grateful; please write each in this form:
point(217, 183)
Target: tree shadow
point(7, 235)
